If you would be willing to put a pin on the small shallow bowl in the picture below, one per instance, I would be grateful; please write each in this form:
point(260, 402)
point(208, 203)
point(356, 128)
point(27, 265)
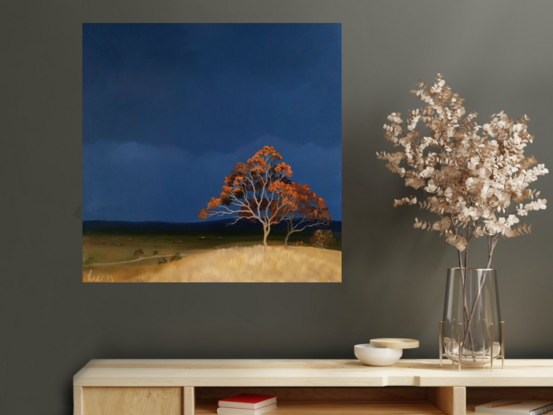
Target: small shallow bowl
point(376, 356)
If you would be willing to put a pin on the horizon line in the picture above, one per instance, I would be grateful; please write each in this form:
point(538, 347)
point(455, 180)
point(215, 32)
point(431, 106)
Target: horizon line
point(162, 221)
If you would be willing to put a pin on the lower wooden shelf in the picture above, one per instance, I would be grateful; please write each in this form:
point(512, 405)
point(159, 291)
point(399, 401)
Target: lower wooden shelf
point(346, 401)
point(333, 408)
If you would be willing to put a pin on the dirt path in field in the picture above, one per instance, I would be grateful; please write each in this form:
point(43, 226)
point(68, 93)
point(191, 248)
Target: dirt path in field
point(100, 264)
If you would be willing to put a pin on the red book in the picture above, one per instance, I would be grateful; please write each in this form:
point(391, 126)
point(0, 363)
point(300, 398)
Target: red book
point(247, 401)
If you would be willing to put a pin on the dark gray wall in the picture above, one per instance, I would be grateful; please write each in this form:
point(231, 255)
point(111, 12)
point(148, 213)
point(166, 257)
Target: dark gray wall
point(497, 54)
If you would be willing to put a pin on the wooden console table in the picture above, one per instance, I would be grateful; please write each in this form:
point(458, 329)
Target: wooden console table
point(322, 387)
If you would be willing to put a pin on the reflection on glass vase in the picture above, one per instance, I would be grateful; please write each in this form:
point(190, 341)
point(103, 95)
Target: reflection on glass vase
point(471, 332)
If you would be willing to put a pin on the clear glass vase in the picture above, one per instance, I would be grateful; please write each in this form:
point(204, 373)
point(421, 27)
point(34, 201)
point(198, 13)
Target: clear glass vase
point(471, 331)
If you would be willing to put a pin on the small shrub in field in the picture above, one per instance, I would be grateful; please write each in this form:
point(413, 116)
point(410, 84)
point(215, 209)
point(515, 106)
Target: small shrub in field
point(89, 260)
point(176, 257)
point(322, 238)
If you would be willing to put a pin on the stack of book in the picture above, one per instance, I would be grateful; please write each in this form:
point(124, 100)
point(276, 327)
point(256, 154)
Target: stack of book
point(246, 404)
point(515, 407)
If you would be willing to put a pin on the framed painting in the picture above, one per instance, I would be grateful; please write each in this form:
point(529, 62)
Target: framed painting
point(212, 153)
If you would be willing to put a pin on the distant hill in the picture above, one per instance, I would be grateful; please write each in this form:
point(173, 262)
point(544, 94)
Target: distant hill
point(215, 226)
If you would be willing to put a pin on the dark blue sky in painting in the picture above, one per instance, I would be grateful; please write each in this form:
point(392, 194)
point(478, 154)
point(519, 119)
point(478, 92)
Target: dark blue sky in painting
point(168, 109)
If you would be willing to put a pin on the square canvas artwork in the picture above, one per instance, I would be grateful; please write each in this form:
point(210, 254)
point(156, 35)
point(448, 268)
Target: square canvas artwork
point(212, 153)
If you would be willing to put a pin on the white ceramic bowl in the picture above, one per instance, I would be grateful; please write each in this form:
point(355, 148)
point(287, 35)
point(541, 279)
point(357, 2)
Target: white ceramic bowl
point(376, 356)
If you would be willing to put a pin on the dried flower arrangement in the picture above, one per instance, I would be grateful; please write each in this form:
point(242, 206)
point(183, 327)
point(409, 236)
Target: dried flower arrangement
point(475, 178)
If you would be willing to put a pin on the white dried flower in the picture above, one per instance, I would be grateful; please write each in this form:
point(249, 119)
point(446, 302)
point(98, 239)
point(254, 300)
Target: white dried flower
point(475, 178)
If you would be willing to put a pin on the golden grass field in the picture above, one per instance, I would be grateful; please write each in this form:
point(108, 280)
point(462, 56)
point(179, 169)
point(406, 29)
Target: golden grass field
point(236, 264)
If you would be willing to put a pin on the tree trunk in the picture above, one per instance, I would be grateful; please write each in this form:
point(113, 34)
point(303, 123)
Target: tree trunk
point(286, 239)
point(266, 230)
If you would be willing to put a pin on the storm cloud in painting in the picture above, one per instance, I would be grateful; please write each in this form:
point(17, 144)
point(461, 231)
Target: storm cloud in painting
point(168, 109)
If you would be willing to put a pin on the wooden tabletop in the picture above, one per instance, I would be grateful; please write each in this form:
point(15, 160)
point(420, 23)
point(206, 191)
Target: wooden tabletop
point(305, 373)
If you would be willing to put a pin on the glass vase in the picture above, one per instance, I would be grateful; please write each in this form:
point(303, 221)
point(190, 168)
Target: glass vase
point(471, 332)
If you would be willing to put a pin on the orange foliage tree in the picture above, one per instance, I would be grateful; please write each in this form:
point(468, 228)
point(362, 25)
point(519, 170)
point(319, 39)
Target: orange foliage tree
point(306, 209)
point(253, 191)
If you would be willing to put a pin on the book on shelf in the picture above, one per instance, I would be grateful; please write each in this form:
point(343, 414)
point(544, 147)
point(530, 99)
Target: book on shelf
point(515, 407)
point(242, 411)
point(247, 404)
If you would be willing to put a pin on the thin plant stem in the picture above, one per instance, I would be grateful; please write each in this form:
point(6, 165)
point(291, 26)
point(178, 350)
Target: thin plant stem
point(492, 242)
